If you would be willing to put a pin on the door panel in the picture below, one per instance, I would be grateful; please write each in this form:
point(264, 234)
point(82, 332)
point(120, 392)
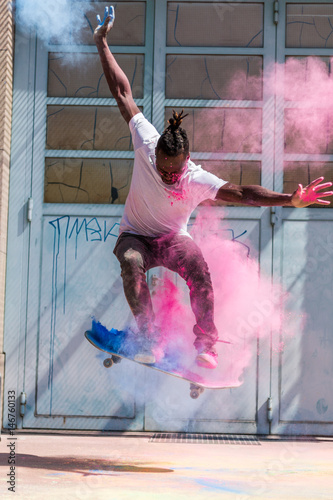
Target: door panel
point(81, 166)
point(71, 382)
point(242, 409)
point(303, 369)
point(302, 374)
point(76, 257)
point(217, 76)
point(225, 410)
point(306, 376)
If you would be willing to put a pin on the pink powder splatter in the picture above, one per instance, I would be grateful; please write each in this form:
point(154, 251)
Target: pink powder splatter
point(247, 306)
point(182, 196)
point(176, 196)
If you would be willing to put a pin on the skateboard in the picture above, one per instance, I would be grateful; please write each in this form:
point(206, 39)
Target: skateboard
point(123, 344)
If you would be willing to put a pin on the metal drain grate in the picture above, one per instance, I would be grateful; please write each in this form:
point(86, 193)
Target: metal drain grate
point(204, 438)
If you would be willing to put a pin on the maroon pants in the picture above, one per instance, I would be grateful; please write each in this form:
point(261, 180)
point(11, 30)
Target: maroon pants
point(137, 254)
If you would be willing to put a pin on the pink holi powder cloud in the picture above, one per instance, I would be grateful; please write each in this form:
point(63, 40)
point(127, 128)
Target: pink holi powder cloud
point(304, 88)
point(247, 306)
point(305, 79)
point(174, 317)
point(309, 123)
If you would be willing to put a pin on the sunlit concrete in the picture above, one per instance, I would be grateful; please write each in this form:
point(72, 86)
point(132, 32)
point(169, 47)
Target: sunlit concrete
point(94, 466)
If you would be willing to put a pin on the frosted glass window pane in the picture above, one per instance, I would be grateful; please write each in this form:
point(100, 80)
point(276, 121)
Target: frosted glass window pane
point(128, 30)
point(304, 76)
point(236, 172)
point(303, 173)
point(74, 180)
point(87, 127)
point(81, 75)
point(214, 77)
point(309, 25)
point(236, 130)
point(195, 24)
point(308, 131)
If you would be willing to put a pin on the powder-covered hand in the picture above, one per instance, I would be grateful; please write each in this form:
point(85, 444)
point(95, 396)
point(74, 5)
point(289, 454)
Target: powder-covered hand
point(105, 26)
point(305, 196)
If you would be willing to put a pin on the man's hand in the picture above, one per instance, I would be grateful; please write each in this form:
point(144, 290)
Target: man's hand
point(104, 26)
point(305, 196)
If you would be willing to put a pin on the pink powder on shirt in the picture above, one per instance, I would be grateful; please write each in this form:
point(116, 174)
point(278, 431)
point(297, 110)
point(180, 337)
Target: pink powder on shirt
point(176, 196)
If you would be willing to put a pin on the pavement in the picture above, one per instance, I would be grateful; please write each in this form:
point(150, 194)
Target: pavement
point(133, 466)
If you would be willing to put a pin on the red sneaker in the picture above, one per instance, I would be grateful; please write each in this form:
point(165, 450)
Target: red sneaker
point(207, 358)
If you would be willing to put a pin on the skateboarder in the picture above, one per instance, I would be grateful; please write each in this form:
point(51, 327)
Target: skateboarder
point(166, 187)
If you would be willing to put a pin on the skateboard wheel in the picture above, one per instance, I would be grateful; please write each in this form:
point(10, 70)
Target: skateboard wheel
point(194, 394)
point(108, 362)
point(116, 359)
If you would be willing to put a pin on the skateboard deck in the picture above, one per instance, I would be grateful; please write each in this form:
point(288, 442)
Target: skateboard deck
point(124, 344)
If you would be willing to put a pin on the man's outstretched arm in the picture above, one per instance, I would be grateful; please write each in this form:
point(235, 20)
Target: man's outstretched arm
point(262, 197)
point(116, 78)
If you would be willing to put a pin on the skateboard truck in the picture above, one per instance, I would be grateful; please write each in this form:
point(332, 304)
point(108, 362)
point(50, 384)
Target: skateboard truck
point(195, 391)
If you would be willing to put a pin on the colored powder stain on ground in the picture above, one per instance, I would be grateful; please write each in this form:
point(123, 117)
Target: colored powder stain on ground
point(130, 468)
point(214, 485)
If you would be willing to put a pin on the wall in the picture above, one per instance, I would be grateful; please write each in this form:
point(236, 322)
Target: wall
point(6, 74)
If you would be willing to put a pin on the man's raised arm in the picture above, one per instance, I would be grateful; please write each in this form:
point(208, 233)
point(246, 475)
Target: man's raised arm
point(260, 196)
point(116, 78)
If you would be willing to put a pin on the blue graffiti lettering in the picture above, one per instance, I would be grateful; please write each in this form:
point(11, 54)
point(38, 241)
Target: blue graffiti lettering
point(95, 231)
point(90, 229)
point(110, 231)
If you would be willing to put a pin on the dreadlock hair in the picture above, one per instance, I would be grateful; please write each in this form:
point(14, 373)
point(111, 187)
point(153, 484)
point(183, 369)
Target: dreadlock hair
point(174, 141)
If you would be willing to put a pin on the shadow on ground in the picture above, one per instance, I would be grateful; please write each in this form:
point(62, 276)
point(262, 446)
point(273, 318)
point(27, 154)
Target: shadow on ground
point(84, 466)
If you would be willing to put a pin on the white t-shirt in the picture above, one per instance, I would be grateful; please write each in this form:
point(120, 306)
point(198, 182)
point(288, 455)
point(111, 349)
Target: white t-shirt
point(153, 208)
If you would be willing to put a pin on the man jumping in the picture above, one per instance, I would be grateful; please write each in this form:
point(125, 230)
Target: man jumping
point(166, 187)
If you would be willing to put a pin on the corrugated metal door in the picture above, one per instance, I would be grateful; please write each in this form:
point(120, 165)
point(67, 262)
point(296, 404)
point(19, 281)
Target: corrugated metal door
point(71, 159)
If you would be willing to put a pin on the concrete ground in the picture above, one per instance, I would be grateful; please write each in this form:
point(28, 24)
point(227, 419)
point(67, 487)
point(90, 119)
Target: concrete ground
point(125, 466)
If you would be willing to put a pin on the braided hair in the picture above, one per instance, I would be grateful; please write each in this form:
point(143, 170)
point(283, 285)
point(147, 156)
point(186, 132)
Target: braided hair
point(174, 140)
